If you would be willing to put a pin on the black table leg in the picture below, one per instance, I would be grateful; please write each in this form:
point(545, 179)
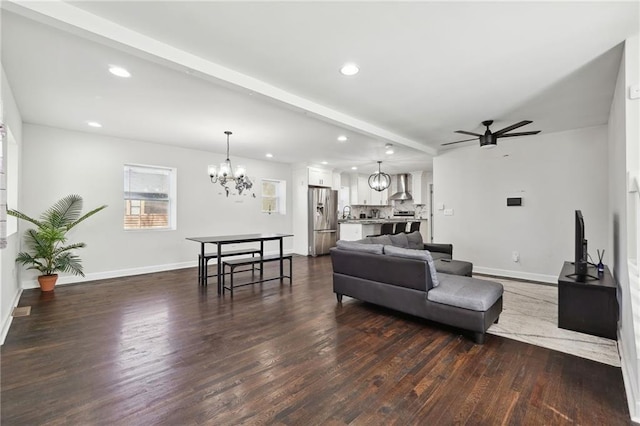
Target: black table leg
point(219, 265)
point(261, 256)
point(202, 272)
point(281, 262)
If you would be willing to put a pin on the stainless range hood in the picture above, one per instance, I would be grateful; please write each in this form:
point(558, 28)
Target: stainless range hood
point(403, 189)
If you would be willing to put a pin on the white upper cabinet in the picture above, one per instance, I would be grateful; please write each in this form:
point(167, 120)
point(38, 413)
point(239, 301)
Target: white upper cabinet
point(419, 187)
point(362, 194)
point(380, 198)
point(363, 191)
point(320, 177)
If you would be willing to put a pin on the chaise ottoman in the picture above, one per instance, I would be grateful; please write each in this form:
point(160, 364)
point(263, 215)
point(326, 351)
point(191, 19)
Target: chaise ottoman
point(454, 267)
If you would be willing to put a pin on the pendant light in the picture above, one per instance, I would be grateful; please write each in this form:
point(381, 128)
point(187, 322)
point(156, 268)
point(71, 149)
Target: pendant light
point(224, 175)
point(379, 181)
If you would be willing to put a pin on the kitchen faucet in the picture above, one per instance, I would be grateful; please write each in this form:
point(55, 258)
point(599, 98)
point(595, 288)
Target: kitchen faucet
point(346, 216)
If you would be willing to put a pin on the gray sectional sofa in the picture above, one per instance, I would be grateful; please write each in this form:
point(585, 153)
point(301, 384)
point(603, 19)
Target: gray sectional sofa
point(402, 276)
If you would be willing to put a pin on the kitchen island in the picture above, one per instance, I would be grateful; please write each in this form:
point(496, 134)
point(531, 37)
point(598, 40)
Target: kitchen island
point(356, 229)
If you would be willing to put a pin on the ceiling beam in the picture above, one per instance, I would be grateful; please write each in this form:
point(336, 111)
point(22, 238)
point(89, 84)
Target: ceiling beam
point(70, 18)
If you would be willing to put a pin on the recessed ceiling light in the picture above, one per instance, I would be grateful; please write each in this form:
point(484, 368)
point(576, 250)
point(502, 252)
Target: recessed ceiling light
point(93, 124)
point(342, 138)
point(269, 155)
point(349, 69)
point(389, 149)
point(324, 162)
point(354, 168)
point(119, 71)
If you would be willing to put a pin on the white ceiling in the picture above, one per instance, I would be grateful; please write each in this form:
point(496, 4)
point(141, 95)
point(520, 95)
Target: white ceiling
point(268, 71)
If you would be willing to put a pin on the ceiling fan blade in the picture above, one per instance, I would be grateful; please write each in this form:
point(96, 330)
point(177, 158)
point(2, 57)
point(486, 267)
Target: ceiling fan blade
point(464, 132)
point(513, 126)
point(519, 134)
point(451, 143)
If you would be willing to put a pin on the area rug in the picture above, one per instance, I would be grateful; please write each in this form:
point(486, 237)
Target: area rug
point(530, 314)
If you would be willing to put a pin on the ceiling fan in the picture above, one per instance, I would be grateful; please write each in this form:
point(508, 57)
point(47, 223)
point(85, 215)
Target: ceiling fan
point(490, 139)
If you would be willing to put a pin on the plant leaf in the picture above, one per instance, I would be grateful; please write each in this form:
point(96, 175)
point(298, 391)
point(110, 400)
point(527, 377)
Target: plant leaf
point(64, 212)
point(46, 250)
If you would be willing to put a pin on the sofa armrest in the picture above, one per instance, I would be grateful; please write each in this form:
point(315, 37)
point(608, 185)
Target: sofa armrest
point(440, 248)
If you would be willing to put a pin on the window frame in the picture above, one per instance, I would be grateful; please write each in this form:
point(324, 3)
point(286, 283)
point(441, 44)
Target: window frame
point(280, 197)
point(171, 173)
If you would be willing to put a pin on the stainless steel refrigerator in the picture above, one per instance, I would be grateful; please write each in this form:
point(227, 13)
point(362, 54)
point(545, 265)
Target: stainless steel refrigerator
point(323, 220)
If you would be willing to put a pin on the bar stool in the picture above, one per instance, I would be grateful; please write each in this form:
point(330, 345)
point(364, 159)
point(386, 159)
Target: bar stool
point(386, 228)
point(415, 226)
point(400, 227)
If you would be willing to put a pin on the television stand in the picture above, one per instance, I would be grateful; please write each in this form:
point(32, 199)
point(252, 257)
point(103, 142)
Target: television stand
point(588, 306)
point(585, 277)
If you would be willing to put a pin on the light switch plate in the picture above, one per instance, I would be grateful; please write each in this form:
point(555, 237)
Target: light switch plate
point(448, 212)
point(634, 91)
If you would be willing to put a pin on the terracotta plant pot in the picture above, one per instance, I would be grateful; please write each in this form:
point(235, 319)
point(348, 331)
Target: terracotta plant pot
point(47, 282)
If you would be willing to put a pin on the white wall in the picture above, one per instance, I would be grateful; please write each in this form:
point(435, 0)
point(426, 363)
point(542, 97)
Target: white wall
point(9, 286)
point(59, 162)
point(624, 136)
point(554, 174)
point(300, 188)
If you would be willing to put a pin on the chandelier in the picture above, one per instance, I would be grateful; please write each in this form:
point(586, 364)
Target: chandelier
point(379, 181)
point(223, 174)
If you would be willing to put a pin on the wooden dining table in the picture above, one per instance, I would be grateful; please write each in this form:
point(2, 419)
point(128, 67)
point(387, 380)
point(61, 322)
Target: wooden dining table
point(221, 240)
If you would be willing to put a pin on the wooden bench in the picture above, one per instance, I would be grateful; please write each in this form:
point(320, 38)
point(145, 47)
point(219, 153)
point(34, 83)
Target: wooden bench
point(209, 256)
point(234, 263)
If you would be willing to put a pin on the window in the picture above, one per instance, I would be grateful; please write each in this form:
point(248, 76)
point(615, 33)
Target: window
point(273, 196)
point(149, 197)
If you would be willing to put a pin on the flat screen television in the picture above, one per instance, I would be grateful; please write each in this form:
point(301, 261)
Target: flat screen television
point(581, 256)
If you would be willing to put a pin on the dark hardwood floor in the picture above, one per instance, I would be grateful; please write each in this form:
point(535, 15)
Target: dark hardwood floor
point(158, 349)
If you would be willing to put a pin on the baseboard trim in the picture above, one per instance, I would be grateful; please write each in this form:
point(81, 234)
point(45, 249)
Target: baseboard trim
point(72, 279)
point(6, 323)
point(552, 279)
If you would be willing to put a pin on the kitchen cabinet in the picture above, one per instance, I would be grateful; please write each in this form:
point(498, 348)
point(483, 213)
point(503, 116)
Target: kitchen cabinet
point(320, 177)
point(364, 192)
point(420, 187)
point(363, 195)
point(357, 231)
point(360, 191)
point(380, 198)
point(350, 231)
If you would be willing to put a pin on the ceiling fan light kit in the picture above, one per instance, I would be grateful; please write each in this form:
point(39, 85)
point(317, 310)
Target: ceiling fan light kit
point(490, 139)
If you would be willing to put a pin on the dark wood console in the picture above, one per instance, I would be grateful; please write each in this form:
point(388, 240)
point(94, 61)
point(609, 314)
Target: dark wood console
point(589, 306)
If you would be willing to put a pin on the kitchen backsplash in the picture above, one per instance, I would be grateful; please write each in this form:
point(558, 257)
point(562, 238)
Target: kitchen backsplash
point(421, 211)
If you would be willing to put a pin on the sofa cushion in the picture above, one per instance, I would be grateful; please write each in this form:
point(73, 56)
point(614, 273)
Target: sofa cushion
point(414, 254)
point(436, 255)
point(376, 269)
point(381, 239)
point(356, 246)
point(453, 267)
point(365, 240)
point(400, 240)
point(415, 240)
point(465, 292)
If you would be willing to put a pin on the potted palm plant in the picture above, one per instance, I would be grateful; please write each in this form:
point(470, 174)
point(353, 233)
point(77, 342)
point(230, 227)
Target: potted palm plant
point(46, 249)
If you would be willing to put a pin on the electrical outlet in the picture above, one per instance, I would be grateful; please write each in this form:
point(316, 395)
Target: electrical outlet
point(448, 212)
point(515, 256)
